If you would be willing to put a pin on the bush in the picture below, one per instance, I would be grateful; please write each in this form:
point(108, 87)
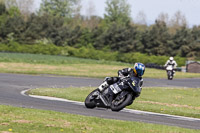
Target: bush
point(90, 53)
point(34, 49)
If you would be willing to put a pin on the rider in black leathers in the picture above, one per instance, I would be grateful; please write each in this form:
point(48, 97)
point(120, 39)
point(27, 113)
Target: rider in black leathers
point(136, 73)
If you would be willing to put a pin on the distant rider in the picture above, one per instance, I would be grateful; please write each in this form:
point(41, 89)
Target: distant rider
point(171, 62)
point(137, 72)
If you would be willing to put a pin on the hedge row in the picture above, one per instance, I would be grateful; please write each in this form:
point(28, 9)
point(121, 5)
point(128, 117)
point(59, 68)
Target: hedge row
point(90, 53)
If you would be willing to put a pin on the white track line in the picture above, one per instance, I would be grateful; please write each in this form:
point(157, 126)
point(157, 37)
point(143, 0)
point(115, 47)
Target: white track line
point(124, 110)
point(159, 114)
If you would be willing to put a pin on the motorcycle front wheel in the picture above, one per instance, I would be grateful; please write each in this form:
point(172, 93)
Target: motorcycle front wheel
point(118, 105)
point(170, 76)
point(89, 101)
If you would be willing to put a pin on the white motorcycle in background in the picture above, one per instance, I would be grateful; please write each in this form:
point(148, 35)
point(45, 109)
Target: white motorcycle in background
point(170, 72)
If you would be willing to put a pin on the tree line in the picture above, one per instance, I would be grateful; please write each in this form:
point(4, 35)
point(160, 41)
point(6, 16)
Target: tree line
point(59, 22)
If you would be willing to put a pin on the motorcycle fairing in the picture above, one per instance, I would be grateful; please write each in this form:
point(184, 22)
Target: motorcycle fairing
point(133, 83)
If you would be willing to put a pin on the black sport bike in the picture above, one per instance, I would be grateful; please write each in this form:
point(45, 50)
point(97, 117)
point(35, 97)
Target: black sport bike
point(116, 96)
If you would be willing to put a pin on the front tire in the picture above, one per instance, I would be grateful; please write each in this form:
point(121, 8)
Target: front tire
point(89, 101)
point(170, 76)
point(124, 103)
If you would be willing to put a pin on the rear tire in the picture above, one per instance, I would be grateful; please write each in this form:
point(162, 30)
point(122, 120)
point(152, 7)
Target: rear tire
point(126, 102)
point(89, 103)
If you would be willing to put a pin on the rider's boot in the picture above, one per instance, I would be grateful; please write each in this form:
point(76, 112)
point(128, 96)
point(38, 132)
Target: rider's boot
point(103, 86)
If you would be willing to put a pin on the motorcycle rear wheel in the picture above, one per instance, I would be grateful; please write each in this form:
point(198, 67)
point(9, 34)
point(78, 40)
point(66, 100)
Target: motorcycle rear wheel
point(123, 104)
point(89, 102)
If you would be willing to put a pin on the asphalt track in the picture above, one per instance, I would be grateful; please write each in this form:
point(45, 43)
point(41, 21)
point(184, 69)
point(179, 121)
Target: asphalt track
point(12, 86)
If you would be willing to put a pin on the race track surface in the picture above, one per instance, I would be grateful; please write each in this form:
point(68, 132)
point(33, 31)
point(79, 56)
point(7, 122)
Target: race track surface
point(11, 86)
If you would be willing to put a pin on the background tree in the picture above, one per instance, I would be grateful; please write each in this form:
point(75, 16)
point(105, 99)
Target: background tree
point(3, 16)
point(90, 20)
point(90, 11)
point(141, 18)
point(164, 17)
point(183, 39)
point(14, 26)
point(26, 7)
point(188, 42)
point(117, 11)
point(156, 40)
point(10, 3)
point(118, 38)
point(61, 8)
point(2, 8)
point(177, 21)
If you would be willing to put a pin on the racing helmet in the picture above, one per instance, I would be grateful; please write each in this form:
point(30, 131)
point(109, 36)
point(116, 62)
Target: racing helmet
point(171, 58)
point(139, 69)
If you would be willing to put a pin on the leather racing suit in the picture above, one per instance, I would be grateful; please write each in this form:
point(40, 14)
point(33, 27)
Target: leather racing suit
point(126, 72)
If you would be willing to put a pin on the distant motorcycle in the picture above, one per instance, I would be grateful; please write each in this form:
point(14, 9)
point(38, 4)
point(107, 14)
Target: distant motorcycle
point(116, 96)
point(170, 72)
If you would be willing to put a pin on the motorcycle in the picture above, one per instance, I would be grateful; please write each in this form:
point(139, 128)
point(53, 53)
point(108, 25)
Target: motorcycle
point(116, 96)
point(170, 73)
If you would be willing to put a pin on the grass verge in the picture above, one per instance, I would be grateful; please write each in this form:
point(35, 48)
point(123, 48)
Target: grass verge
point(175, 101)
point(60, 65)
point(22, 120)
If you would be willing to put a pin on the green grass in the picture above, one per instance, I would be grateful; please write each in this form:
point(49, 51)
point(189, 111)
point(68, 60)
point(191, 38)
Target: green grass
point(61, 65)
point(51, 59)
point(175, 101)
point(22, 120)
